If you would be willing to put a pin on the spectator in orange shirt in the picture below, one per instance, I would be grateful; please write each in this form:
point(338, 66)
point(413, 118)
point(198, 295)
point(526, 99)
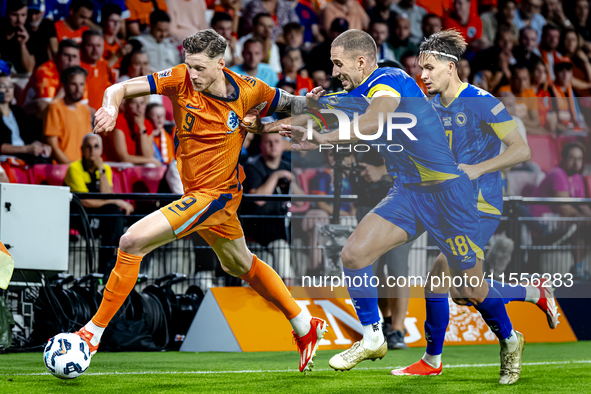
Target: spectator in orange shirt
point(76, 22)
point(539, 85)
point(115, 48)
point(163, 142)
point(526, 102)
point(44, 85)
point(139, 14)
point(14, 37)
point(100, 75)
point(67, 120)
point(292, 64)
point(461, 19)
point(131, 141)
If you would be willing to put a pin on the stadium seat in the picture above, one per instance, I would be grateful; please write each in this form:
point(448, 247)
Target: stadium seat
point(143, 179)
point(544, 151)
point(118, 180)
point(17, 171)
point(49, 174)
point(588, 186)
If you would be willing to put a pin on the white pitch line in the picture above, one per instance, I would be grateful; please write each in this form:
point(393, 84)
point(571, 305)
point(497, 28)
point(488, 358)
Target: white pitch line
point(290, 370)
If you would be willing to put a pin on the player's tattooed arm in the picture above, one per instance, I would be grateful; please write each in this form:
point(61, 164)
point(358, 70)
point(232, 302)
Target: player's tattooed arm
point(288, 103)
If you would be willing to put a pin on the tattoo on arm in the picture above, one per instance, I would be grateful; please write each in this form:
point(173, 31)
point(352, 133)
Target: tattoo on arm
point(290, 103)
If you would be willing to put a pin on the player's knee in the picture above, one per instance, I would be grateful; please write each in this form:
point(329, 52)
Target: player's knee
point(129, 243)
point(467, 294)
point(352, 256)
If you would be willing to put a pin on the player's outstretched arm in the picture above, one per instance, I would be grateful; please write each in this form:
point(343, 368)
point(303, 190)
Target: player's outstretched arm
point(106, 116)
point(288, 103)
point(517, 151)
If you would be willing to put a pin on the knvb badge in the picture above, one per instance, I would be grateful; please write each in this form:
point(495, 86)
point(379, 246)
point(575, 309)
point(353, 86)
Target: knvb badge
point(232, 122)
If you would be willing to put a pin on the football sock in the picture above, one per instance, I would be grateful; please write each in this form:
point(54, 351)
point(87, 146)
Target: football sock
point(388, 320)
point(96, 331)
point(365, 302)
point(437, 309)
point(373, 336)
point(434, 361)
point(509, 292)
point(301, 323)
point(265, 281)
point(532, 294)
point(509, 344)
point(495, 315)
point(121, 282)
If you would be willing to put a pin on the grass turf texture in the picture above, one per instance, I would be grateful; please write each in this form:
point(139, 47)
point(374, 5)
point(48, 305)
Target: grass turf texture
point(552, 368)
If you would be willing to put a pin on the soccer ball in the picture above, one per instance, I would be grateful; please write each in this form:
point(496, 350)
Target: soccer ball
point(66, 356)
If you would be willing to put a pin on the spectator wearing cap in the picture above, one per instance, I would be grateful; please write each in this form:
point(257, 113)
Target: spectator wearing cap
point(549, 46)
point(45, 84)
point(528, 14)
point(526, 102)
point(252, 55)
point(67, 120)
point(568, 117)
point(139, 14)
point(527, 51)
point(281, 12)
point(222, 23)
point(114, 47)
point(460, 18)
point(430, 24)
point(380, 32)
point(504, 16)
point(263, 26)
point(382, 11)
point(14, 38)
point(400, 39)
point(42, 36)
point(161, 51)
point(100, 75)
point(77, 21)
point(415, 13)
point(20, 135)
point(350, 10)
point(186, 17)
point(292, 67)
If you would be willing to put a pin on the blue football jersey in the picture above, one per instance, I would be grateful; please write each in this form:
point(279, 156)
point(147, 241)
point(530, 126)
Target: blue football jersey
point(426, 158)
point(475, 122)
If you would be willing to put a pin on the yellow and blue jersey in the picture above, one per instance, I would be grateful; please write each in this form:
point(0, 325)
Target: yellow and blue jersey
point(427, 158)
point(475, 122)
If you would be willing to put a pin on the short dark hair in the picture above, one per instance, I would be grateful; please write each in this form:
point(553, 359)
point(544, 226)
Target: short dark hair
point(250, 41)
point(572, 145)
point(375, 21)
point(449, 41)
point(429, 16)
point(151, 106)
point(158, 16)
point(560, 66)
point(358, 42)
point(406, 55)
point(258, 17)
point(220, 17)
point(71, 72)
point(547, 28)
point(15, 5)
point(90, 33)
point(67, 43)
point(292, 26)
point(75, 5)
point(109, 10)
point(517, 66)
point(205, 41)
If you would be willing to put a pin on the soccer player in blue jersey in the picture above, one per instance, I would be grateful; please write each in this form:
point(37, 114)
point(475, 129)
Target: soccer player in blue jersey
point(430, 193)
point(475, 123)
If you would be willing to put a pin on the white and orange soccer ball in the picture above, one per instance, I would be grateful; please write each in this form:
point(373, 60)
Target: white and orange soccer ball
point(66, 356)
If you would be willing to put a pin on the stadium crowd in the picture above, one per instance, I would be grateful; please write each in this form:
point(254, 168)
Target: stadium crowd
point(57, 59)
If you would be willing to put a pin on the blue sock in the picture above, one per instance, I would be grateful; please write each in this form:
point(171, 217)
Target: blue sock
point(495, 315)
point(508, 292)
point(363, 295)
point(437, 306)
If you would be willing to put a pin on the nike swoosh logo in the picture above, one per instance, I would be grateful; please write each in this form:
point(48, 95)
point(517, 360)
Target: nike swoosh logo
point(191, 107)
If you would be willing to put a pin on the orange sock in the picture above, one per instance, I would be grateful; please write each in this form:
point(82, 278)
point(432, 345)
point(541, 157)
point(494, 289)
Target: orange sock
point(121, 282)
point(265, 281)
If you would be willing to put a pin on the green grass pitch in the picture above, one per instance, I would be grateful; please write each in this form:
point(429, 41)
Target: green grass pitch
point(550, 368)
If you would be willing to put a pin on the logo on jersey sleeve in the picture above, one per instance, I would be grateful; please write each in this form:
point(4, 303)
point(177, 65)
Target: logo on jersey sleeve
point(165, 73)
point(461, 118)
point(261, 106)
point(233, 121)
point(471, 32)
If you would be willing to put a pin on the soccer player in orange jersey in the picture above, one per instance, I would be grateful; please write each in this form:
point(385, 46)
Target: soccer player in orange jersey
point(210, 102)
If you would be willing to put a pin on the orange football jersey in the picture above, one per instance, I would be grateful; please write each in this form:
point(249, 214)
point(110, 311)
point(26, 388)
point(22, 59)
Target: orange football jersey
point(45, 84)
point(208, 136)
